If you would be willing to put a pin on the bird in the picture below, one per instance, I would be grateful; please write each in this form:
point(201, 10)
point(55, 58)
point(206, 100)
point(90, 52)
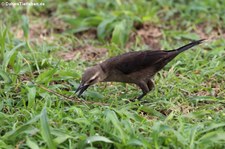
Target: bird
point(137, 67)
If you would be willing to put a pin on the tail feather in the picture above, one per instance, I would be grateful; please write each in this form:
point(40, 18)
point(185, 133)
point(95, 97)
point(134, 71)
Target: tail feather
point(188, 46)
point(173, 53)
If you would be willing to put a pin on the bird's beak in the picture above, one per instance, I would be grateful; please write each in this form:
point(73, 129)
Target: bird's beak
point(81, 89)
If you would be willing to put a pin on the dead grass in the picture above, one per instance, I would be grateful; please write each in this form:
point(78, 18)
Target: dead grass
point(39, 30)
point(215, 33)
point(88, 53)
point(149, 34)
point(90, 34)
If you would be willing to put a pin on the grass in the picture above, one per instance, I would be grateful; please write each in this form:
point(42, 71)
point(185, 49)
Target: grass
point(44, 51)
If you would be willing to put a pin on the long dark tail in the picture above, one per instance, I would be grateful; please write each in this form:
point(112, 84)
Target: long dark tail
point(188, 46)
point(173, 53)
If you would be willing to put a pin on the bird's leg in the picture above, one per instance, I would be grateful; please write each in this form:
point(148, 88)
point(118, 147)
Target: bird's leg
point(150, 85)
point(144, 87)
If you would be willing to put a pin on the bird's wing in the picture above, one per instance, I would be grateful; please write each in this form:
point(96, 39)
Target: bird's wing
point(136, 61)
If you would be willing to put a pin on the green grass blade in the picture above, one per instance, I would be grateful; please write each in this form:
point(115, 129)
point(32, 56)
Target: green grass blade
point(45, 130)
point(46, 76)
point(32, 144)
point(98, 138)
point(31, 96)
point(12, 135)
point(8, 55)
point(5, 77)
point(25, 26)
point(3, 145)
point(121, 32)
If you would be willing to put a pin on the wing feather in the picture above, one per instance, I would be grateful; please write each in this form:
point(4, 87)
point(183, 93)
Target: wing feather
point(136, 61)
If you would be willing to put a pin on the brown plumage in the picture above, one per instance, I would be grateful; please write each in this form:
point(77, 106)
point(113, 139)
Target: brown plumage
point(132, 67)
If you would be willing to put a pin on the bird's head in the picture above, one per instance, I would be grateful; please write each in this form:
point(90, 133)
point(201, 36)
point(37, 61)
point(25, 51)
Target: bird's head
point(92, 75)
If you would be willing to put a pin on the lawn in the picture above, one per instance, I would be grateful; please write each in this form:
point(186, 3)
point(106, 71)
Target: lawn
point(45, 50)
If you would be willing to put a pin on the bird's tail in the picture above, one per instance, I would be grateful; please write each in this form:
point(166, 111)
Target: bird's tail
point(188, 46)
point(173, 53)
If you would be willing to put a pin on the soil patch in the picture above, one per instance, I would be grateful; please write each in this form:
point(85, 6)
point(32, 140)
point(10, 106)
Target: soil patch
point(39, 32)
point(213, 34)
point(87, 52)
point(149, 34)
